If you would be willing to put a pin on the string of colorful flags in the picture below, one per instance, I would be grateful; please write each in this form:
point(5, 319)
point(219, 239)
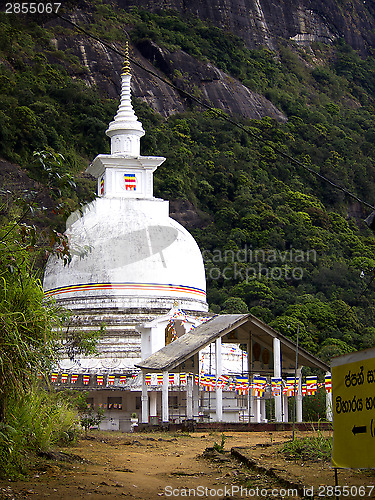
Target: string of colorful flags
point(208, 382)
point(180, 315)
point(86, 378)
point(105, 406)
point(260, 385)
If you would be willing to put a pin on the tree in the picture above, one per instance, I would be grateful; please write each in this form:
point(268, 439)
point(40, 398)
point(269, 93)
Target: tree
point(234, 305)
point(332, 347)
point(87, 416)
point(32, 329)
point(289, 326)
point(33, 335)
point(29, 327)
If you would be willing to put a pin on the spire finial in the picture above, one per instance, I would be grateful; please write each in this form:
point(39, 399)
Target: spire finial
point(126, 66)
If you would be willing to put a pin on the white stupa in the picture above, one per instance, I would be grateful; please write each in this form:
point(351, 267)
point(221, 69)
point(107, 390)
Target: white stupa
point(130, 261)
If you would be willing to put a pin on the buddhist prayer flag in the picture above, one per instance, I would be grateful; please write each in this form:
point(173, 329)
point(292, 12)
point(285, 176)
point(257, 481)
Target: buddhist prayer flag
point(276, 386)
point(211, 379)
point(111, 379)
point(222, 381)
point(122, 379)
point(241, 391)
point(242, 385)
point(64, 378)
point(99, 379)
point(202, 380)
point(312, 385)
point(159, 379)
point(171, 378)
point(304, 389)
point(289, 387)
point(196, 379)
point(86, 379)
point(130, 182)
point(54, 376)
point(259, 386)
point(148, 379)
point(328, 383)
point(183, 379)
point(74, 378)
point(208, 382)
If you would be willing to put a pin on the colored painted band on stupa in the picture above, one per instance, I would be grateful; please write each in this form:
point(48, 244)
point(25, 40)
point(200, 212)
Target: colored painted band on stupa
point(84, 287)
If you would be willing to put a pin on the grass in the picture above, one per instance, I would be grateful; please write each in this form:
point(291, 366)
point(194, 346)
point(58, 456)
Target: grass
point(35, 422)
point(314, 448)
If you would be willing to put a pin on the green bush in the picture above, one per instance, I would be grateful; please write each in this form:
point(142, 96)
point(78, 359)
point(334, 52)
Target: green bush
point(35, 422)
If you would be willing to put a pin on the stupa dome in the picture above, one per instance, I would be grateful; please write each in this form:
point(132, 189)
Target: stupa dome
point(128, 253)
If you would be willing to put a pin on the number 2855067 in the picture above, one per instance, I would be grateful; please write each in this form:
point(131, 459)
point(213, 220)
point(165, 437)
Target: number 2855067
point(31, 8)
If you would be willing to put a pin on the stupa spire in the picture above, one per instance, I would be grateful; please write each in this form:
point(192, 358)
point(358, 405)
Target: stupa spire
point(125, 173)
point(126, 66)
point(125, 130)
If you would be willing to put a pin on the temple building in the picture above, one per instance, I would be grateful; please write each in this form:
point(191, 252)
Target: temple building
point(141, 274)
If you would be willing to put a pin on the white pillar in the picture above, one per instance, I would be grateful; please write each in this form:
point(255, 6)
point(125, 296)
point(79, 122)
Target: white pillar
point(153, 400)
point(164, 398)
point(195, 398)
point(252, 405)
point(299, 417)
point(255, 404)
point(277, 373)
point(219, 390)
point(329, 414)
point(256, 410)
point(144, 399)
point(285, 408)
point(189, 398)
point(250, 397)
point(263, 414)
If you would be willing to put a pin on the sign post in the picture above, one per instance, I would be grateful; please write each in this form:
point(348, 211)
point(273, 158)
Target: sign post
point(353, 401)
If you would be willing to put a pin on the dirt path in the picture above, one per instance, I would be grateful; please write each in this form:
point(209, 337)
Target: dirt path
point(149, 466)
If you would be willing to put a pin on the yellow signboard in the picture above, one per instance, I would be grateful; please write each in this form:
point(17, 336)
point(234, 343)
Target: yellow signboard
point(353, 407)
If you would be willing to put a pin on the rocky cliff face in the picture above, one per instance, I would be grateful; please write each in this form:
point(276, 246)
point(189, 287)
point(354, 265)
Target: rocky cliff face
point(212, 86)
point(261, 22)
point(258, 22)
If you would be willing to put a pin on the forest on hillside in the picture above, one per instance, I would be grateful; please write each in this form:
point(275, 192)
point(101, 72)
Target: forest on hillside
point(277, 240)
